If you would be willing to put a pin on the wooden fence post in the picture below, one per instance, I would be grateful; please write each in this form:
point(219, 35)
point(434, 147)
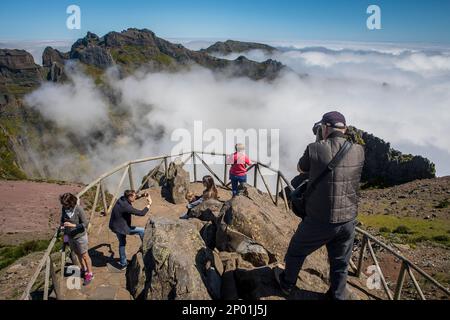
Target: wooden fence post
point(105, 202)
point(225, 169)
point(361, 256)
point(400, 281)
point(277, 189)
point(130, 177)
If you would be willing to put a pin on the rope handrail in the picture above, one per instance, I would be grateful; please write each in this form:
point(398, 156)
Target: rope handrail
point(407, 265)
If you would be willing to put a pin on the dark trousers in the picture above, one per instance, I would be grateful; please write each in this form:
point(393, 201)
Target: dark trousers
point(310, 236)
point(236, 181)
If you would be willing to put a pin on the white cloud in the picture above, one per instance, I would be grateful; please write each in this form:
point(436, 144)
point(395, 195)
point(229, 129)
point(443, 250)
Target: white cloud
point(78, 105)
point(400, 95)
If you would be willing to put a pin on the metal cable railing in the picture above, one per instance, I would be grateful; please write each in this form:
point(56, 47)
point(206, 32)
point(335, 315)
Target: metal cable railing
point(406, 265)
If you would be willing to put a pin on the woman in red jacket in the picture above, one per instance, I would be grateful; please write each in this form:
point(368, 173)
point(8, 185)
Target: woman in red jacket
point(239, 162)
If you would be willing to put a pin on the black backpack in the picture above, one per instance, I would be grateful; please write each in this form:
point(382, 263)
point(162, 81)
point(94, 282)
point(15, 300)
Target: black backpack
point(300, 195)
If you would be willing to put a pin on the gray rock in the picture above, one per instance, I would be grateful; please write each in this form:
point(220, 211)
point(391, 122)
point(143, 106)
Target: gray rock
point(178, 183)
point(175, 259)
point(385, 166)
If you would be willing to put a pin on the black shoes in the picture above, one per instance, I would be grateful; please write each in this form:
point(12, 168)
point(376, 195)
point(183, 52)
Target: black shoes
point(284, 287)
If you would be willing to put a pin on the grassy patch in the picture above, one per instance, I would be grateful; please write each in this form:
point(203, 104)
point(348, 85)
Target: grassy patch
point(9, 254)
point(408, 229)
point(8, 166)
point(18, 90)
point(402, 230)
point(89, 197)
point(163, 59)
point(95, 73)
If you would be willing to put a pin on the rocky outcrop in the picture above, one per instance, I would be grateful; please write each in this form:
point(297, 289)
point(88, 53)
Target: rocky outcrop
point(177, 265)
point(385, 166)
point(177, 183)
point(155, 178)
point(18, 73)
point(53, 61)
point(51, 56)
point(229, 254)
point(231, 46)
point(242, 67)
point(133, 48)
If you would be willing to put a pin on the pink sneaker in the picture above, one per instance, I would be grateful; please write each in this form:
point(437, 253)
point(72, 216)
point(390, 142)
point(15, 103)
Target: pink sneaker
point(88, 277)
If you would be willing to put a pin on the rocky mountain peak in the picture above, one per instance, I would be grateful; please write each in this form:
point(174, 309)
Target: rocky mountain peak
point(16, 60)
point(231, 46)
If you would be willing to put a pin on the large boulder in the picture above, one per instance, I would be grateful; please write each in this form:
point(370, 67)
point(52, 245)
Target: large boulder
point(257, 218)
point(90, 51)
point(154, 179)
point(16, 60)
point(52, 56)
point(209, 210)
point(53, 60)
point(18, 74)
point(175, 263)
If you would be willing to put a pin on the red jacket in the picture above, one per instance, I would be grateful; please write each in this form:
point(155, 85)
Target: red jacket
point(239, 163)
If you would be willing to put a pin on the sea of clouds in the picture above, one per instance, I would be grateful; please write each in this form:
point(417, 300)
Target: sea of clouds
point(398, 93)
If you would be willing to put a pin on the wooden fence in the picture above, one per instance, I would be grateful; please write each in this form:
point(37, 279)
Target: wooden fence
point(126, 169)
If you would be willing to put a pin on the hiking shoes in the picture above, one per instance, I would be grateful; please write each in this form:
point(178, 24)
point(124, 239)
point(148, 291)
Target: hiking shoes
point(122, 267)
point(88, 277)
point(279, 277)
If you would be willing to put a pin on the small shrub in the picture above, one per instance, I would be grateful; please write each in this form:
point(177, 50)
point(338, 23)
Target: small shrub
point(441, 238)
point(443, 204)
point(420, 239)
point(9, 254)
point(385, 230)
point(402, 230)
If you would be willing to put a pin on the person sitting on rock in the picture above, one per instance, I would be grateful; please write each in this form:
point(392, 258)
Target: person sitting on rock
point(74, 224)
point(120, 221)
point(239, 162)
point(210, 192)
point(331, 207)
point(191, 197)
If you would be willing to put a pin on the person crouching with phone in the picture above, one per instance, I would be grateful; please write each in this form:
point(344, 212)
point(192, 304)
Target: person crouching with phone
point(74, 224)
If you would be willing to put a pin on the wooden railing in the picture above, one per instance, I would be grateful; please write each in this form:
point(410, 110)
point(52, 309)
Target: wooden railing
point(281, 182)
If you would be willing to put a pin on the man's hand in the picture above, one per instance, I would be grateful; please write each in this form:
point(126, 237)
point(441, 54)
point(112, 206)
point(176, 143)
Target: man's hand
point(69, 225)
point(149, 201)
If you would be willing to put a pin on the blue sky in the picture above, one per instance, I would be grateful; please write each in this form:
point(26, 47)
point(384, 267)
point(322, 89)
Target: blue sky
point(343, 20)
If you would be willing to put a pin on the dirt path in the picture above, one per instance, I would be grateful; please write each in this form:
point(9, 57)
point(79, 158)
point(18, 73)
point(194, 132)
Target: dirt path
point(30, 210)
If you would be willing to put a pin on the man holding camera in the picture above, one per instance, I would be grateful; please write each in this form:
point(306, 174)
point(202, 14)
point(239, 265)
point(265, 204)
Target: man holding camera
point(120, 222)
point(331, 207)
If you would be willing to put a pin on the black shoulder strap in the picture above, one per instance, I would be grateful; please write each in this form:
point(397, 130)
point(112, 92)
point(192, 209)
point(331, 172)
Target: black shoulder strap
point(330, 167)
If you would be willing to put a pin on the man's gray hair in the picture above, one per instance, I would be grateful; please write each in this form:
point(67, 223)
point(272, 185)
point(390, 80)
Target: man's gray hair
point(337, 127)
